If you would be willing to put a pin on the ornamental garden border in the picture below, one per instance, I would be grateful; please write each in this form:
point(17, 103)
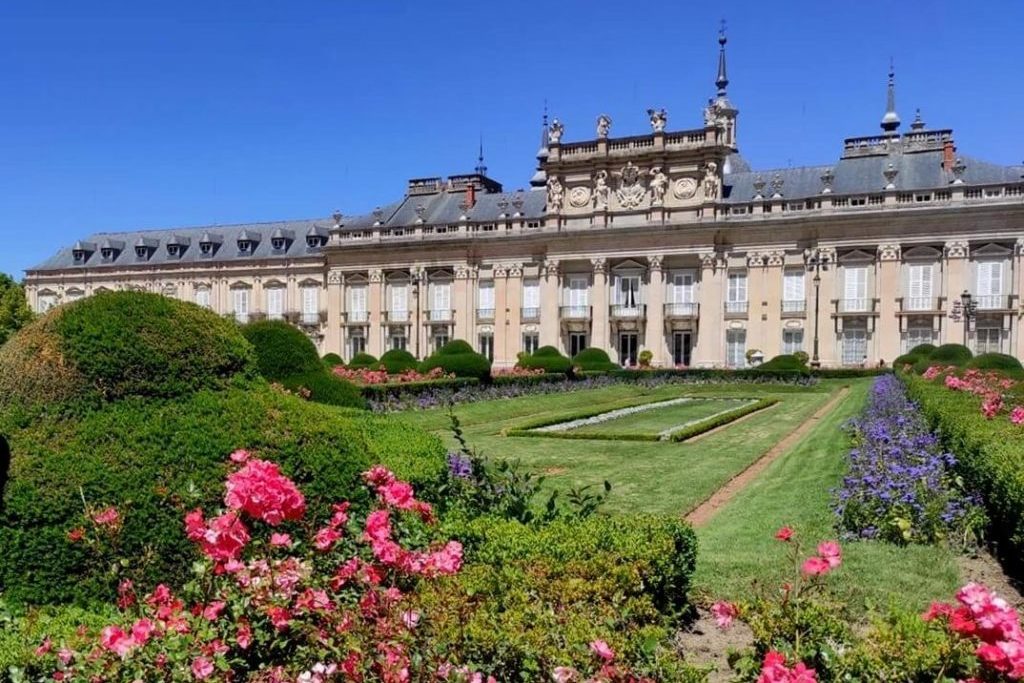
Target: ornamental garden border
point(682, 433)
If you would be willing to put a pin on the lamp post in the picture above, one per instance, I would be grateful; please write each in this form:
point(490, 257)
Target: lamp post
point(817, 261)
point(968, 310)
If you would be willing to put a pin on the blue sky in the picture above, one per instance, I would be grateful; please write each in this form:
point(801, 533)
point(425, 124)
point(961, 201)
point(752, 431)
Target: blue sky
point(123, 115)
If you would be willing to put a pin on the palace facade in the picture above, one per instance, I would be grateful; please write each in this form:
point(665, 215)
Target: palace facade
point(667, 241)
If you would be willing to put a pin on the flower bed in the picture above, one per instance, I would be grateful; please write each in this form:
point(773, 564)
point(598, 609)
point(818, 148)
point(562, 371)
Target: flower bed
point(368, 376)
point(901, 486)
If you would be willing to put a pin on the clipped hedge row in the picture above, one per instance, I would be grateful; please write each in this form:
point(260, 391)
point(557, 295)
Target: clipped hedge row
point(547, 358)
point(717, 421)
point(547, 377)
point(397, 361)
point(990, 454)
point(282, 350)
point(594, 360)
point(458, 357)
point(381, 391)
point(323, 387)
point(578, 414)
point(621, 578)
point(154, 460)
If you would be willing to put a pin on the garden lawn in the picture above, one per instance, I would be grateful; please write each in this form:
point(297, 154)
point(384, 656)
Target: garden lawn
point(737, 545)
point(657, 420)
point(653, 477)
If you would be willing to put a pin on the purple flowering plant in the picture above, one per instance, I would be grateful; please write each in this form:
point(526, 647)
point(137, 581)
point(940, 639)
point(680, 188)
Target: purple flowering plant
point(900, 485)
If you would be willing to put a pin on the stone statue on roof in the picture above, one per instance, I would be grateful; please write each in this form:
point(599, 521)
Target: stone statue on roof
point(604, 124)
point(659, 119)
point(601, 190)
point(555, 131)
point(658, 185)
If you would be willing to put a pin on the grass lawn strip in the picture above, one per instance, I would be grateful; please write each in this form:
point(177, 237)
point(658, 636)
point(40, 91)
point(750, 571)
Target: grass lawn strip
point(737, 545)
point(653, 422)
point(666, 434)
point(611, 415)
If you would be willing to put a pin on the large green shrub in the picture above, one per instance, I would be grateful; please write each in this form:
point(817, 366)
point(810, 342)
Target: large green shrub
point(906, 359)
point(458, 357)
point(397, 361)
point(14, 310)
point(364, 361)
point(923, 350)
point(784, 362)
point(531, 598)
point(996, 361)
point(115, 345)
point(154, 460)
point(548, 359)
point(593, 360)
point(324, 387)
point(990, 456)
point(333, 360)
point(282, 350)
point(950, 354)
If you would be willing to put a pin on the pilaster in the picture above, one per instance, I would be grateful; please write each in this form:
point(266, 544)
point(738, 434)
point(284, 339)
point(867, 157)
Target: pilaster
point(771, 297)
point(957, 280)
point(335, 296)
point(509, 332)
point(887, 288)
point(550, 296)
point(757, 335)
point(599, 307)
point(375, 335)
point(463, 302)
point(710, 349)
point(1017, 321)
point(655, 337)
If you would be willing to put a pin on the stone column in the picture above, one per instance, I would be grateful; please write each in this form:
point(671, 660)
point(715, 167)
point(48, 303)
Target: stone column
point(375, 334)
point(508, 334)
point(335, 296)
point(292, 300)
point(771, 295)
point(956, 281)
point(1017, 322)
point(463, 302)
point(550, 299)
point(757, 337)
point(258, 303)
point(887, 290)
point(830, 289)
point(599, 307)
point(654, 335)
point(418, 345)
point(710, 349)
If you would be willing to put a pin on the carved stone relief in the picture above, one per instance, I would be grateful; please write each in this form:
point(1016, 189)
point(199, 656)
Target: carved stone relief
point(888, 252)
point(684, 188)
point(631, 189)
point(957, 249)
point(556, 194)
point(579, 196)
point(659, 183)
point(601, 190)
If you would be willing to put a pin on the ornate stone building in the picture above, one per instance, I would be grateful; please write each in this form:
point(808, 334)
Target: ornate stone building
point(667, 241)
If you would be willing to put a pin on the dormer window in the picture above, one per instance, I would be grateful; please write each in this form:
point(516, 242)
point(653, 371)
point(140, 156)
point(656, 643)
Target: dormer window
point(244, 246)
point(314, 241)
point(206, 248)
point(107, 253)
point(278, 243)
point(142, 252)
point(79, 255)
point(174, 250)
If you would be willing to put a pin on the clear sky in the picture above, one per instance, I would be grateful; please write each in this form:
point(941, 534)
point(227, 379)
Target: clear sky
point(124, 115)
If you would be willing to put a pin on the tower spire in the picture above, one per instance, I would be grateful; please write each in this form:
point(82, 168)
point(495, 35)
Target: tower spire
point(480, 168)
point(891, 120)
point(540, 177)
point(722, 80)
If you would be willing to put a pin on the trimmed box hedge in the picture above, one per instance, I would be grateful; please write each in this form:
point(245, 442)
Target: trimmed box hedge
point(547, 358)
point(378, 392)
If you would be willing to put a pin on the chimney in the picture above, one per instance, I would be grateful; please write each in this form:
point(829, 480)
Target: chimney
point(948, 155)
point(471, 195)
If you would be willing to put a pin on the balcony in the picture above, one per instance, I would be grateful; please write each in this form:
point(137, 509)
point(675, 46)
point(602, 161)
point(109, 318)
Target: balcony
point(396, 317)
point(736, 309)
point(920, 305)
point(794, 308)
point(627, 312)
point(355, 317)
point(312, 318)
point(994, 302)
point(682, 311)
point(855, 307)
point(574, 312)
point(275, 315)
point(485, 314)
point(441, 316)
point(529, 314)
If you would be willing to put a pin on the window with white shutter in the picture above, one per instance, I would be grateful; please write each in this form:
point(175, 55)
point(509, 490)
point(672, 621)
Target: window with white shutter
point(442, 301)
point(736, 348)
point(203, 297)
point(578, 292)
point(357, 304)
point(310, 305)
point(485, 299)
point(856, 288)
point(275, 303)
point(241, 301)
point(990, 284)
point(736, 293)
point(531, 299)
point(919, 285)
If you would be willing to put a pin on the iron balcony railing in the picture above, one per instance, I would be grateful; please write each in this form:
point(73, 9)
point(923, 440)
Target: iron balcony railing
point(530, 313)
point(627, 311)
point(794, 307)
point(992, 302)
point(688, 309)
point(736, 308)
point(575, 312)
point(440, 315)
point(356, 317)
point(485, 314)
point(396, 316)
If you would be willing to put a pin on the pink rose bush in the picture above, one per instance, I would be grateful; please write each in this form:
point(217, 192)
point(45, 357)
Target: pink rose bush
point(774, 670)
point(989, 386)
point(369, 376)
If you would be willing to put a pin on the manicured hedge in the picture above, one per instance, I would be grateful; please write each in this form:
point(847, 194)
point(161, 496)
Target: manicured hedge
point(324, 387)
point(990, 454)
point(996, 361)
point(950, 354)
point(717, 421)
point(282, 350)
point(333, 360)
point(154, 460)
point(531, 598)
point(364, 361)
point(458, 357)
point(905, 360)
point(923, 350)
point(784, 362)
point(594, 360)
point(521, 380)
point(115, 345)
point(381, 391)
point(397, 361)
point(547, 358)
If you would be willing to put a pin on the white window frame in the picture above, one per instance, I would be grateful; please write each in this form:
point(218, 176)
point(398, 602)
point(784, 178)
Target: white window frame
point(920, 277)
point(855, 288)
point(275, 302)
point(792, 340)
point(240, 303)
point(736, 348)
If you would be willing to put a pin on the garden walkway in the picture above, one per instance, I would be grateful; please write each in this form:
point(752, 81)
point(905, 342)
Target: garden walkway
point(707, 509)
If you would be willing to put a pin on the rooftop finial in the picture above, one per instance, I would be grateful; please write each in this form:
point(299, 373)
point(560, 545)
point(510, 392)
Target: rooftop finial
point(722, 80)
point(891, 120)
point(918, 123)
point(480, 168)
point(540, 177)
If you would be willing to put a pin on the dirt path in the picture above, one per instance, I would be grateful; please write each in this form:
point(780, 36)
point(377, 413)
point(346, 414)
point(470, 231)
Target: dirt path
point(706, 510)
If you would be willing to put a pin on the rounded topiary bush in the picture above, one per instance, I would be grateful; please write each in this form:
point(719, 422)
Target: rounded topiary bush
point(155, 460)
point(324, 387)
point(282, 350)
point(593, 360)
point(116, 345)
point(397, 361)
point(906, 359)
point(333, 360)
point(996, 361)
point(922, 364)
point(548, 359)
point(363, 361)
point(785, 362)
point(951, 354)
point(458, 357)
point(922, 350)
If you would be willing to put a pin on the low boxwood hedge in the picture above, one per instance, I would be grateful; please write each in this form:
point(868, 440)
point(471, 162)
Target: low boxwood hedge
point(530, 598)
point(594, 360)
point(520, 380)
point(548, 359)
point(154, 460)
point(397, 361)
point(784, 362)
point(905, 360)
point(717, 421)
point(990, 455)
point(282, 350)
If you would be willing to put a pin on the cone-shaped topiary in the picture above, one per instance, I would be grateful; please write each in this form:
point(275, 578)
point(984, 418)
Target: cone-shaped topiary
point(282, 350)
point(593, 360)
point(397, 361)
point(116, 345)
point(547, 358)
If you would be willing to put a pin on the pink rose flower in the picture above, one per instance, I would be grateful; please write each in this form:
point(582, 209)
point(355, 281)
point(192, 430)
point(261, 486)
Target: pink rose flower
point(724, 613)
point(201, 668)
point(602, 650)
point(831, 553)
point(815, 566)
point(784, 534)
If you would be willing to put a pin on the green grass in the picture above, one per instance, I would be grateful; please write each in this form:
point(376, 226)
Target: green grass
point(655, 477)
point(657, 420)
point(737, 545)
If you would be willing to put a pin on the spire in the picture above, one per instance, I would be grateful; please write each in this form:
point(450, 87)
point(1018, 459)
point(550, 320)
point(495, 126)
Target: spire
point(918, 123)
point(540, 177)
point(891, 120)
point(722, 80)
point(480, 168)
